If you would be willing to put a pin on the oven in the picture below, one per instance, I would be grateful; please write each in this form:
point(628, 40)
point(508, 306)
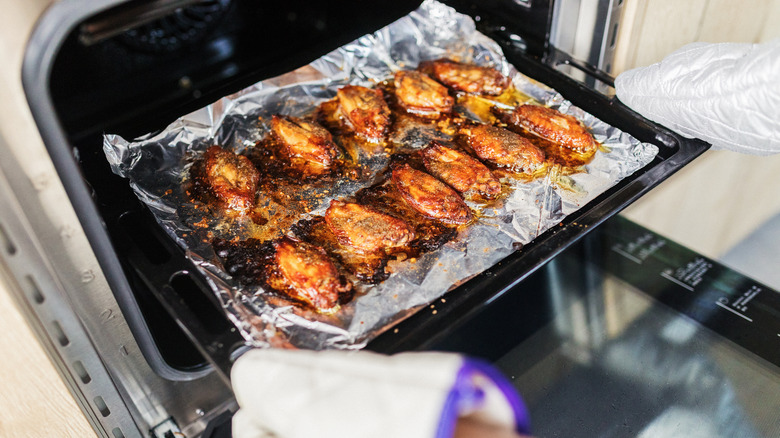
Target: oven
point(140, 338)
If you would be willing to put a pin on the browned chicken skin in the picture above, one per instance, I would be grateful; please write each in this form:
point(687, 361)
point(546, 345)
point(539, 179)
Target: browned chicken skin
point(421, 95)
point(553, 125)
point(365, 266)
point(297, 270)
point(306, 145)
point(466, 77)
point(429, 234)
point(430, 196)
point(462, 172)
point(365, 110)
point(310, 274)
point(503, 147)
point(365, 229)
point(230, 177)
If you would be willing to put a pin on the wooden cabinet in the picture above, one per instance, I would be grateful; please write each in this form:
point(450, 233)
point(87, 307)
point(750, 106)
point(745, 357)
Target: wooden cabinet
point(720, 198)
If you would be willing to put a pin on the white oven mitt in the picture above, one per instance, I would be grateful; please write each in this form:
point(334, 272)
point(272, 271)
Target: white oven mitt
point(338, 394)
point(725, 94)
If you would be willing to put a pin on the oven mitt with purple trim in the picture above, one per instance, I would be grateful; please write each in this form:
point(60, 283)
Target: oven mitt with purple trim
point(338, 394)
point(726, 94)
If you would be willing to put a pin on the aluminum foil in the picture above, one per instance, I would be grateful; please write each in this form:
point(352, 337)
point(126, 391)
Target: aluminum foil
point(157, 165)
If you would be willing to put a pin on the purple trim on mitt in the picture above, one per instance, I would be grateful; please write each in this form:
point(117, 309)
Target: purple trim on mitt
point(465, 396)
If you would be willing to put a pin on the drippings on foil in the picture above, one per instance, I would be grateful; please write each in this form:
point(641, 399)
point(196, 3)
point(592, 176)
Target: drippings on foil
point(157, 165)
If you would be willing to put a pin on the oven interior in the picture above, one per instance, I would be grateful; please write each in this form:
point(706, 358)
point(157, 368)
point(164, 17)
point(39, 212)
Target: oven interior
point(135, 68)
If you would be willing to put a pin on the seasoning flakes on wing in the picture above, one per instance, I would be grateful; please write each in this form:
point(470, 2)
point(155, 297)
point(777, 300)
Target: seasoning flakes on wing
point(365, 229)
point(430, 234)
point(305, 145)
point(365, 110)
point(418, 94)
point(366, 266)
point(360, 237)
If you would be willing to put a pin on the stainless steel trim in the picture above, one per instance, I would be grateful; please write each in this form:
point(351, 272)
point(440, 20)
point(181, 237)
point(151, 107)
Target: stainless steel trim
point(587, 30)
point(41, 298)
point(64, 264)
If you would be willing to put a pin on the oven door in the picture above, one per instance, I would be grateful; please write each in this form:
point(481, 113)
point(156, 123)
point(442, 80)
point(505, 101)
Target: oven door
point(629, 334)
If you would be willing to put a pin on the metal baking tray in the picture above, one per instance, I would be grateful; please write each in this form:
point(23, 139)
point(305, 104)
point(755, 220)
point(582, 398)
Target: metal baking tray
point(150, 262)
point(430, 324)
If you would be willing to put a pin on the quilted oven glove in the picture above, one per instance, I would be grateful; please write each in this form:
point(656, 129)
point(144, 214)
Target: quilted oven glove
point(305, 394)
point(726, 94)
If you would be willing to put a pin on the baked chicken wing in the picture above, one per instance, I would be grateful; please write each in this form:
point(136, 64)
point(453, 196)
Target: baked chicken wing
point(232, 178)
point(309, 274)
point(552, 125)
point(430, 196)
point(419, 94)
point(297, 270)
point(365, 110)
point(306, 145)
point(429, 234)
point(466, 77)
point(462, 172)
point(503, 147)
point(365, 229)
point(365, 266)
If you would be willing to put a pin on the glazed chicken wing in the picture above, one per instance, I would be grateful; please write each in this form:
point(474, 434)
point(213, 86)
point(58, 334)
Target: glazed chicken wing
point(421, 95)
point(309, 274)
point(430, 196)
point(296, 270)
point(459, 170)
point(306, 145)
point(503, 147)
point(365, 229)
point(466, 77)
point(230, 177)
point(552, 125)
point(366, 266)
point(429, 234)
point(365, 110)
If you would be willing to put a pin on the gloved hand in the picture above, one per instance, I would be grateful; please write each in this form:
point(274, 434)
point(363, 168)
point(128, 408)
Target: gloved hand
point(305, 394)
point(726, 94)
